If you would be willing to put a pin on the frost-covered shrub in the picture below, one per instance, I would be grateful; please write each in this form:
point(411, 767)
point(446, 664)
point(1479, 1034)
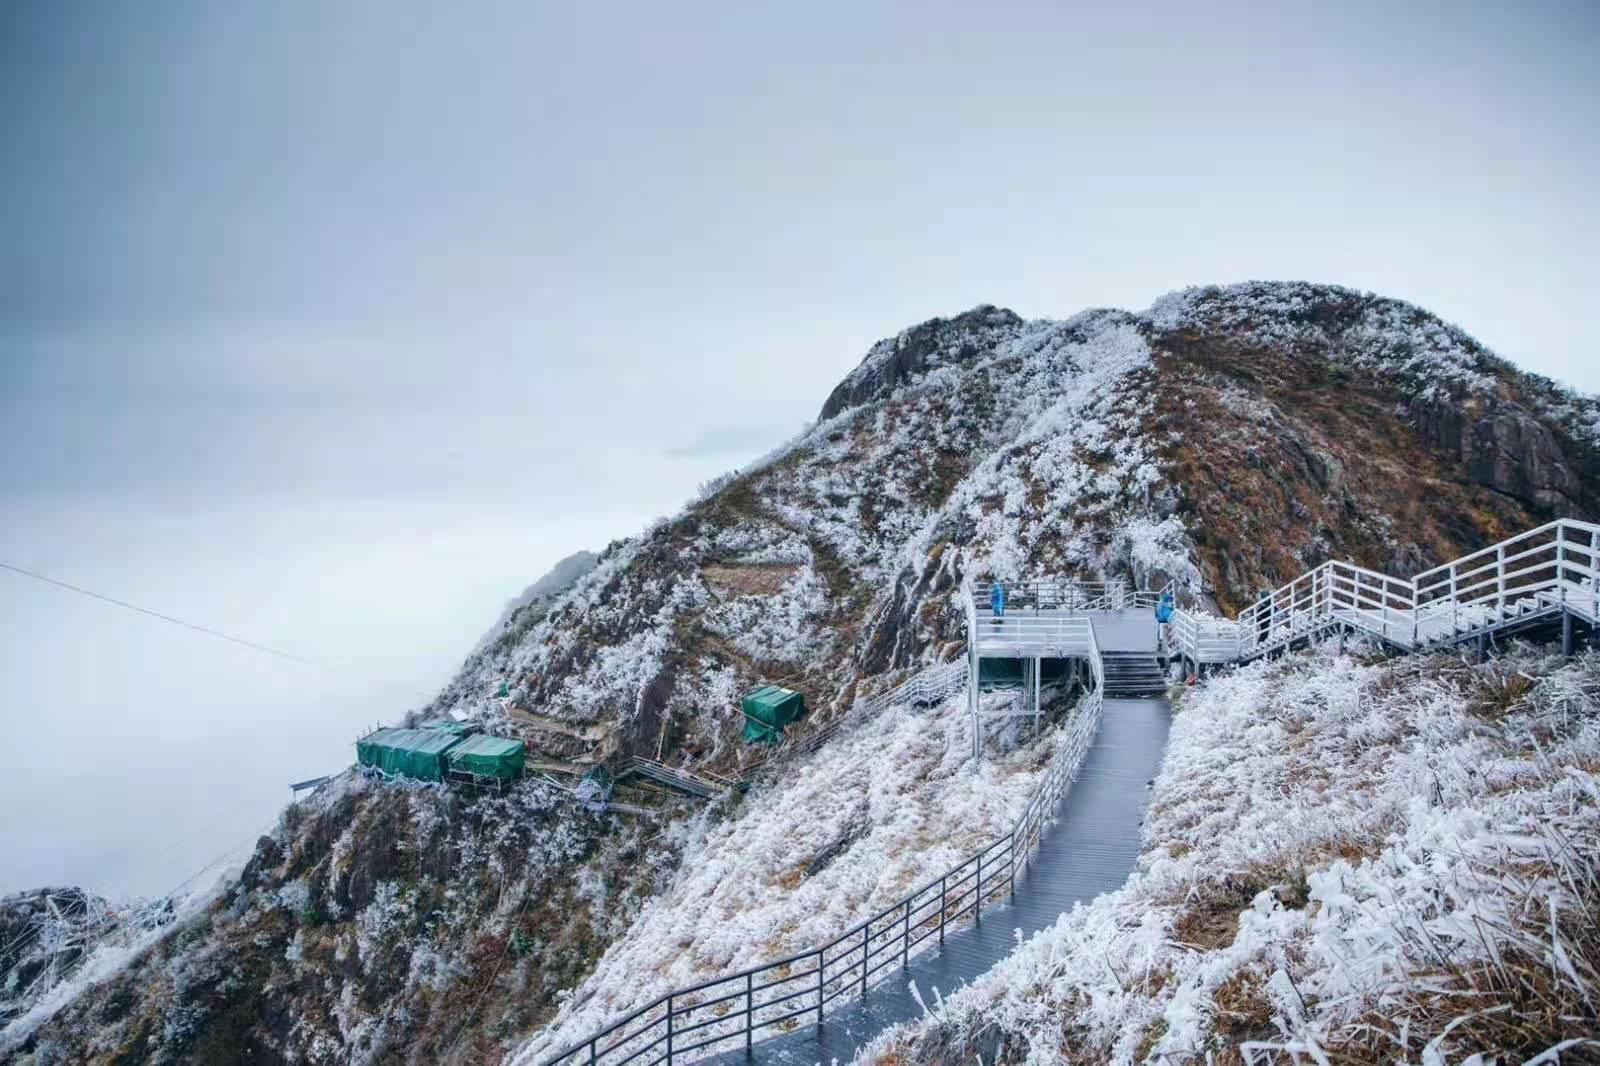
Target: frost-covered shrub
point(1343, 861)
point(890, 804)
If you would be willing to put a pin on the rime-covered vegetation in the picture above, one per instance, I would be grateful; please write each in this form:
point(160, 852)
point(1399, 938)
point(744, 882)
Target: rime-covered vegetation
point(1227, 437)
point(846, 832)
point(1344, 861)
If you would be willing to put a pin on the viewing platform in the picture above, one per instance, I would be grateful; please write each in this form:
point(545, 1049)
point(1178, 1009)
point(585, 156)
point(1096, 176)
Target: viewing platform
point(1051, 619)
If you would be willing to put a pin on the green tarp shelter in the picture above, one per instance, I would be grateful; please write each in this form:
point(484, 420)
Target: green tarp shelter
point(447, 725)
point(486, 756)
point(767, 710)
point(418, 753)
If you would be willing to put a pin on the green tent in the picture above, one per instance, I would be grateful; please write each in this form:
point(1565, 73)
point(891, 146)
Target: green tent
point(447, 725)
point(767, 710)
point(486, 756)
point(418, 753)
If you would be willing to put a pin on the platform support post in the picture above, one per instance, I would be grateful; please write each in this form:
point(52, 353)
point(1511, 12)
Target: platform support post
point(1566, 633)
point(1483, 648)
point(974, 668)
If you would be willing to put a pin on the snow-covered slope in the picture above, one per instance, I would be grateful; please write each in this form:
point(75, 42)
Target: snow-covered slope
point(1345, 861)
point(845, 833)
point(1228, 437)
point(1163, 443)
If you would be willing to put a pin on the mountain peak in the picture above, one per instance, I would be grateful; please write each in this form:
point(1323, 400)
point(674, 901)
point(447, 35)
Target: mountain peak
point(918, 349)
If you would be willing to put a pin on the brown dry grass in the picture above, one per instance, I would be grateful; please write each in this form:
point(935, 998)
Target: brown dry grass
point(1149, 1038)
point(1509, 1008)
point(1517, 1001)
point(1212, 919)
point(1241, 1012)
point(1263, 505)
point(1498, 694)
point(757, 580)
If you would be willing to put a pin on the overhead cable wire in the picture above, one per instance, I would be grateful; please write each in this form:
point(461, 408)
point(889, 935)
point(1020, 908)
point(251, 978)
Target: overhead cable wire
point(25, 572)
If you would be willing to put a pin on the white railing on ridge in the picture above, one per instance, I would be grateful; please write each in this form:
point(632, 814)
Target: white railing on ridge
point(1544, 571)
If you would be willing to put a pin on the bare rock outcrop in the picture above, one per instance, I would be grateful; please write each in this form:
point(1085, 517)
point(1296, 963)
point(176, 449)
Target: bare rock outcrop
point(919, 349)
point(1506, 449)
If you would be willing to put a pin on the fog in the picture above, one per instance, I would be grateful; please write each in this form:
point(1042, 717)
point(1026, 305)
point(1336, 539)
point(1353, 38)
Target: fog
point(333, 326)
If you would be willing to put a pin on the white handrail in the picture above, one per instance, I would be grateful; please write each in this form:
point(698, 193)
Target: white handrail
point(1550, 568)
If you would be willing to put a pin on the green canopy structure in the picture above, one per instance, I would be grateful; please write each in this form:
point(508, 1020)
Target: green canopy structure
point(486, 756)
point(767, 710)
point(447, 725)
point(418, 753)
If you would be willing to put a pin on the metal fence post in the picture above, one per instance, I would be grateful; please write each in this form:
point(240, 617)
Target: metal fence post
point(749, 1009)
point(1416, 617)
point(1594, 584)
point(905, 937)
point(866, 946)
point(942, 880)
point(820, 961)
point(1500, 580)
point(669, 1031)
point(1561, 565)
point(592, 1058)
point(977, 899)
point(1013, 863)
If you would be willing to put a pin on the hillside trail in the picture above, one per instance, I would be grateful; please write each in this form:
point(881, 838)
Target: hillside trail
point(1090, 849)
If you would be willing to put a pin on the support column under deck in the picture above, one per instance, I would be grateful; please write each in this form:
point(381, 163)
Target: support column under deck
point(974, 662)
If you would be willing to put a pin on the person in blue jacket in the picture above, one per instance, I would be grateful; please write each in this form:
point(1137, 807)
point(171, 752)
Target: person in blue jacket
point(997, 601)
point(1164, 608)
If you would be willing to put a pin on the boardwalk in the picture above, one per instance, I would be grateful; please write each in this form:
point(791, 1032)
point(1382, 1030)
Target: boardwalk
point(1090, 849)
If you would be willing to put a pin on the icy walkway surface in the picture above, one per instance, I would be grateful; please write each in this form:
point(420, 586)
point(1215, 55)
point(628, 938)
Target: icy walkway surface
point(1089, 850)
point(1130, 630)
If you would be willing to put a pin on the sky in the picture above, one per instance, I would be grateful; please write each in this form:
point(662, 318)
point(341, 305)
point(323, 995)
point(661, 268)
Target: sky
point(334, 325)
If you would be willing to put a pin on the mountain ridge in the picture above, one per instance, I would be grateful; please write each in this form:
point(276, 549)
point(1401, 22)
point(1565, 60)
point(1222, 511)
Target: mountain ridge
point(1228, 437)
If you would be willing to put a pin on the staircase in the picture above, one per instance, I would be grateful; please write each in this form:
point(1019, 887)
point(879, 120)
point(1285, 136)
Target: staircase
point(1132, 673)
point(1545, 578)
point(702, 785)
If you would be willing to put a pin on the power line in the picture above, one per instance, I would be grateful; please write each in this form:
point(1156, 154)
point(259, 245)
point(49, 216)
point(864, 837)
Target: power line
point(25, 572)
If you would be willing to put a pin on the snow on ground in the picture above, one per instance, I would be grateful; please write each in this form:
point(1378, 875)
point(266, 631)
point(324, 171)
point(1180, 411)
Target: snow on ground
point(1343, 862)
point(1376, 333)
point(133, 927)
point(877, 812)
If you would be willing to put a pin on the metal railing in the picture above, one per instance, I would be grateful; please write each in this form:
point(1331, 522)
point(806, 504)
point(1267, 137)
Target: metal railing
point(726, 1013)
point(1552, 568)
point(1544, 571)
point(1054, 594)
point(702, 783)
point(1034, 630)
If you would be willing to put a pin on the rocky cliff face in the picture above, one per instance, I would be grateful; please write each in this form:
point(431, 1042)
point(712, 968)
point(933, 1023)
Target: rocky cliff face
point(1227, 437)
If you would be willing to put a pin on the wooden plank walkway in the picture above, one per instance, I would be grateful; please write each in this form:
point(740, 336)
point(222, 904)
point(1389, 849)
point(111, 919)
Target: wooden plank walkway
point(1091, 849)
